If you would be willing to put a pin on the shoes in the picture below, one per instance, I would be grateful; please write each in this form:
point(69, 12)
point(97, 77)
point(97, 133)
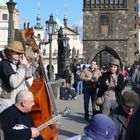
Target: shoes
point(86, 119)
point(75, 98)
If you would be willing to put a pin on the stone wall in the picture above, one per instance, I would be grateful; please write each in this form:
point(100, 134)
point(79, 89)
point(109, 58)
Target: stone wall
point(123, 33)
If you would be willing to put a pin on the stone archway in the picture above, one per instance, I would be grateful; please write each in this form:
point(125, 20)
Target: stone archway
point(101, 49)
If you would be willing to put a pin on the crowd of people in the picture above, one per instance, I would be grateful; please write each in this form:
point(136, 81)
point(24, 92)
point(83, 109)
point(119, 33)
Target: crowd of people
point(118, 108)
point(105, 88)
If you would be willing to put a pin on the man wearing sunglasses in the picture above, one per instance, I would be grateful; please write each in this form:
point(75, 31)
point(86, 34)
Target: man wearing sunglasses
point(123, 113)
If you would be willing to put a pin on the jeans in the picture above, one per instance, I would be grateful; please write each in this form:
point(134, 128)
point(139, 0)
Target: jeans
point(87, 94)
point(79, 87)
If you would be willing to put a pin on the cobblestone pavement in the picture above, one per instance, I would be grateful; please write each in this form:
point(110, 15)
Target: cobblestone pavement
point(73, 123)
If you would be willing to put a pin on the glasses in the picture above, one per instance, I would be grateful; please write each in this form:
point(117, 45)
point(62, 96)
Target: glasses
point(129, 107)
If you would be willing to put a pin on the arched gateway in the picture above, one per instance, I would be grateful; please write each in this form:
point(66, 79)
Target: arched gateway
point(99, 51)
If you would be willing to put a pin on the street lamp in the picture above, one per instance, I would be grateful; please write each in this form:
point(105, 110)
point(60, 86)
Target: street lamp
point(11, 6)
point(65, 40)
point(50, 27)
point(66, 49)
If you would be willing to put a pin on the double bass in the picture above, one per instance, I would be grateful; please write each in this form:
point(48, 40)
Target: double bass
point(45, 107)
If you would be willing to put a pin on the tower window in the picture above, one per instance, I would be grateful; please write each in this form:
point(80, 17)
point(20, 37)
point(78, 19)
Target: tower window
point(97, 2)
point(105, 23)
point(120, 1)
point(116, 2)
point(106, 3)
point(4, 17)
point(92, 1)
point(111, 1)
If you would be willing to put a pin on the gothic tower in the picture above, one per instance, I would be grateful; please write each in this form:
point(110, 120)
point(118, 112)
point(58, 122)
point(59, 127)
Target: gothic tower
point(110, 29)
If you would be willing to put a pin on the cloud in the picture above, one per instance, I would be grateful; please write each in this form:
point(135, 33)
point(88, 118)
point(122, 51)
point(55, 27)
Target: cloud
point(79, 23)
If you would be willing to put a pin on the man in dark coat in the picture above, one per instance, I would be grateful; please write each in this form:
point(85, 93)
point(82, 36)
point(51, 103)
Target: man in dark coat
point(67, 75)
point(123, 113)
point(133, 130)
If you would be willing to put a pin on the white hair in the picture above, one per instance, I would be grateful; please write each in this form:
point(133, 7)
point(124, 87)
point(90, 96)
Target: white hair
point(23, 95)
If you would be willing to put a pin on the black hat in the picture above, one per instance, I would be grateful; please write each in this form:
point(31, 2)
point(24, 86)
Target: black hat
point(130, 98)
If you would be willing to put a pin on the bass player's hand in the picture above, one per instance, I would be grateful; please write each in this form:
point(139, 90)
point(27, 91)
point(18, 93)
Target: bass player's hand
point(35, 132)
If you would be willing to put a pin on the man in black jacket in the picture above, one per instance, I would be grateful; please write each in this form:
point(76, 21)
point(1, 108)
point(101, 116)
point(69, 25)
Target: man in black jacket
point(123, 113)
point(15, 120)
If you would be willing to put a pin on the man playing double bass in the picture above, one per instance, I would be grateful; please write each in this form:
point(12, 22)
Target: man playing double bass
point(16, 122)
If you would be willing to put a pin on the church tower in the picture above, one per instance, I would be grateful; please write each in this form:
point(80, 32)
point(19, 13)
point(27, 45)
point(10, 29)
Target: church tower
point(110, 29)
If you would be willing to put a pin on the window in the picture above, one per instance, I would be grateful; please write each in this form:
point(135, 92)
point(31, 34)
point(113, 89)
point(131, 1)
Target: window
point(92, 1)
point(105, 19)
point(102, 2)
point(111, 1)
point(4, 17)
point(120, 1)
point(97, 2)
point(105, 23)
point(116, 2)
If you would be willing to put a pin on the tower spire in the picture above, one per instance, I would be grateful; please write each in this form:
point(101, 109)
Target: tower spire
point(65, 16)
point(38, 18)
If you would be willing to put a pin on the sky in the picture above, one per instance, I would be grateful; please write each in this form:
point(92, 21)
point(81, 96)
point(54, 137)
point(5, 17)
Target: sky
point(29, 9)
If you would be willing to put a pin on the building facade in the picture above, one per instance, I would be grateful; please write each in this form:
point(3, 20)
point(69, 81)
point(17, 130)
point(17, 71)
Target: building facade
point(4, 17)
point(75, 44)
point(110, 29)
point(41, 36)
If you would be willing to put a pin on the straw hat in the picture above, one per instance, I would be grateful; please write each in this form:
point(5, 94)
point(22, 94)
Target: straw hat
point(15, 46)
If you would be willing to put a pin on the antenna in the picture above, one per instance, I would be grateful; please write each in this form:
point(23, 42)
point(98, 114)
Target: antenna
point(65, 10)
point(38, 7)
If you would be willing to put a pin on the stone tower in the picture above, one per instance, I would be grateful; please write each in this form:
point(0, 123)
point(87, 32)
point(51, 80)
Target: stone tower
point(110, 29)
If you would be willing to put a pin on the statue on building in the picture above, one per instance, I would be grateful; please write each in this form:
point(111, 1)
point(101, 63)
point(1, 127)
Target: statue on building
point(60, 42)
point(63, 51)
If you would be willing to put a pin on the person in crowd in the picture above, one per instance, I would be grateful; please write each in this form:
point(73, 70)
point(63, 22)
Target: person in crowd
point(104, 69)
point(16, 122)
point(124, 72)
point(123, 113)
point(136, 80)
point(133, 129)
point(14, 73)
point(112, 79)
point(130, 69)
point(101, 127)
point(67, 92)
point(89, 77)
point(67, 75)
point(84, 67)
point(79, 82)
